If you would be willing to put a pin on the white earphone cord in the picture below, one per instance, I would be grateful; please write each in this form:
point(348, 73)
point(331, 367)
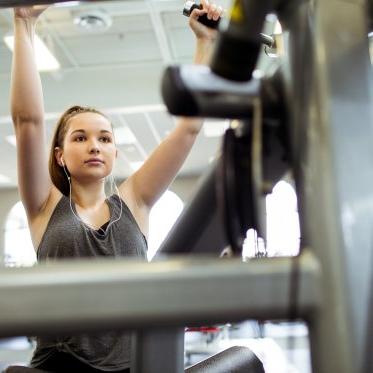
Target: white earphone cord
point(86, 225)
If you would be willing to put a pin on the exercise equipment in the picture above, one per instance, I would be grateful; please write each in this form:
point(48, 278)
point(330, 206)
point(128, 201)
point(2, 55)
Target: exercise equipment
point(232, 360)
point(190, 5)
point(327, 102)
point(326, 86)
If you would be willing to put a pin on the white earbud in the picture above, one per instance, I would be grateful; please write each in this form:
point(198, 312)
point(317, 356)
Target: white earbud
point(64, 169)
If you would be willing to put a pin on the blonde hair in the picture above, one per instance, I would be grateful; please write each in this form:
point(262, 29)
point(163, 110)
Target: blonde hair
point(57, 174)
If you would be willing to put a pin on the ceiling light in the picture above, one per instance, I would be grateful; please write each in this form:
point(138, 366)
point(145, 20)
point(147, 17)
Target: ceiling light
point(93, 21)
point(124, 136)
point(45, 61)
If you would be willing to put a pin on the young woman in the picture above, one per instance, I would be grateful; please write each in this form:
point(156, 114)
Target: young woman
point(68, 212)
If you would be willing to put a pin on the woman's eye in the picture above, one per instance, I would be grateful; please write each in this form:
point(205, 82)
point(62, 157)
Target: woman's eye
point(79, 138)
point(105, 139)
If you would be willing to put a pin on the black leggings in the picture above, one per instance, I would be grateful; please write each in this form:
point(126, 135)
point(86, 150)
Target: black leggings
point(61, 362)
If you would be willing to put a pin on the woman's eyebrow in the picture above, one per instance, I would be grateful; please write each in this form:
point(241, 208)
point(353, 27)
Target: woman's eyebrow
point(80, 130)
point(83, 131)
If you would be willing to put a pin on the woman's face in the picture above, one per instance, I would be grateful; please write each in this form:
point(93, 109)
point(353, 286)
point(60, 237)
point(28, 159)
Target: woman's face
point(89, 150)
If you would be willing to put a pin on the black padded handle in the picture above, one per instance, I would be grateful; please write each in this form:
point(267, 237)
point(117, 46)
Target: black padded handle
point(235, 359)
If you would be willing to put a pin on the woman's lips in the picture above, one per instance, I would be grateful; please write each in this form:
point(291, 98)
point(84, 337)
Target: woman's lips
point(94, 161)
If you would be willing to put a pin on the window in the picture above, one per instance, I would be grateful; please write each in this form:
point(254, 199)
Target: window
point(18, 249)
point(162, 217)
point(283, 232)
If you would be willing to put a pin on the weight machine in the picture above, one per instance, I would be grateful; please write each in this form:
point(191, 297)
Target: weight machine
point(314, 115)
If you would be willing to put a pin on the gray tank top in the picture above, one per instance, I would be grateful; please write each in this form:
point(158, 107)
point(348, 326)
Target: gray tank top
point(66, 237)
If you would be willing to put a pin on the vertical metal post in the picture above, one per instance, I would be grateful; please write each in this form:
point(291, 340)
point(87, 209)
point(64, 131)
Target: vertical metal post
point(199, 228)
point(158, 350)
point(329, 88)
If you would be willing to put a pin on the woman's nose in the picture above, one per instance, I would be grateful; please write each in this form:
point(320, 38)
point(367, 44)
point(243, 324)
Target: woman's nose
point(94, 147)
point(94, 150)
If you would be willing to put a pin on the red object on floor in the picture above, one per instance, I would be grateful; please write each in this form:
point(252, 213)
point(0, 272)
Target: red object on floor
point(203, 329)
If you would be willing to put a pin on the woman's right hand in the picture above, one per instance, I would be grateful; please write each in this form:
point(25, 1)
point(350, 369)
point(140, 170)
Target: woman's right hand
point(213, 12)
point(32, 12)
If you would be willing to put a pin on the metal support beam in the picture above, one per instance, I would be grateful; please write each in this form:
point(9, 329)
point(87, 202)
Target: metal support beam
point(50, 299)
point(15, 3)
point(159, 30)
point(199, 226)
point(130, 7)
point(157, 350)
point(330, 100)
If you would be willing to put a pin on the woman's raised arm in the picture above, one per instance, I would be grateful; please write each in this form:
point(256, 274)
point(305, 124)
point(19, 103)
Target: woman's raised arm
point(27, 111)
point(157, 173)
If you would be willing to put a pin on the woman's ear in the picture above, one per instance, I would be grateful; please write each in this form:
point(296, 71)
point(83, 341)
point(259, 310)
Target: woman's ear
point(58, 154)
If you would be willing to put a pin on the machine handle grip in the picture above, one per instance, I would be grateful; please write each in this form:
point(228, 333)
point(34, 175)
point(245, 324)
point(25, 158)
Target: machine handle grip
point(189, 6)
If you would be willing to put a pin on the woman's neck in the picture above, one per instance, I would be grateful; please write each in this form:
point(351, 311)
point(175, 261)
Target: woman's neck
point(88, 195)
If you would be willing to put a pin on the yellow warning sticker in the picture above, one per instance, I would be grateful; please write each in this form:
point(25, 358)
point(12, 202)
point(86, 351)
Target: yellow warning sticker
point(236, 14)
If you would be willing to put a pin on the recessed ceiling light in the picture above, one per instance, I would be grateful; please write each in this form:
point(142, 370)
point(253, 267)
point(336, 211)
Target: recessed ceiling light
point(93, 21)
